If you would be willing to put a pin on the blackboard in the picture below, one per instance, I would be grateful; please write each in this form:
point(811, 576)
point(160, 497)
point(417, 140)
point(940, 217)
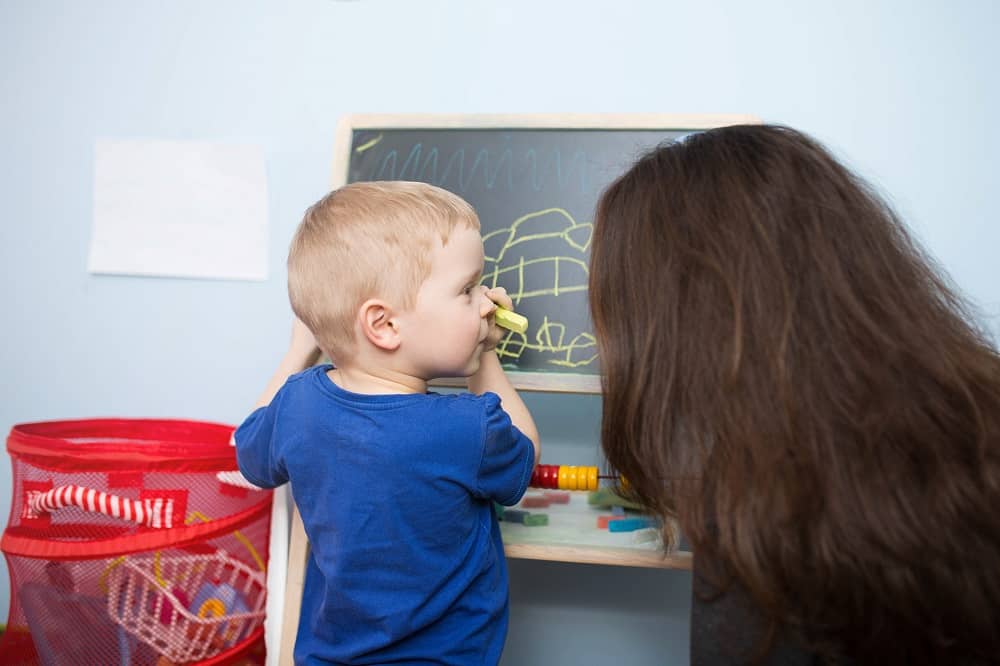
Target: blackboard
point(534, 182)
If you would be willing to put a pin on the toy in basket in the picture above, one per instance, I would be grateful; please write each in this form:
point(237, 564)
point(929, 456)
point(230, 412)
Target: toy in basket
point(187, 607)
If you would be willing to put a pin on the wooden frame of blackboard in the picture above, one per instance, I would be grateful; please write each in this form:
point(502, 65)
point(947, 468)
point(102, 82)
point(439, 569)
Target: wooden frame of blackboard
point(287, 601)
point(343, 139)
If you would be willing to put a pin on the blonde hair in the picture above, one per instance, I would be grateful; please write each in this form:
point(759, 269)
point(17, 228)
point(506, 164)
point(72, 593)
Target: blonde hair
point(366, 240)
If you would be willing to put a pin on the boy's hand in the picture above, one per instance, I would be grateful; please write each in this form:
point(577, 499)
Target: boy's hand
point(496, 296)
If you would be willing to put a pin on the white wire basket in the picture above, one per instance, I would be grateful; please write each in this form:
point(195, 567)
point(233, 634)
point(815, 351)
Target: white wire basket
point(187, 607)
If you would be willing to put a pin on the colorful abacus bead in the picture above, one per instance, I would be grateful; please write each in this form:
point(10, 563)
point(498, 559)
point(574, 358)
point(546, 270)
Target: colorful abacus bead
point(565, 477)
point(579, 478)
point(550, 476)
point(545, 476)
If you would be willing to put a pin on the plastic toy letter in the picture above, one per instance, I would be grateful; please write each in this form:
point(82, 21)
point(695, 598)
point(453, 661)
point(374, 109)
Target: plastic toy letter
point(179, 208)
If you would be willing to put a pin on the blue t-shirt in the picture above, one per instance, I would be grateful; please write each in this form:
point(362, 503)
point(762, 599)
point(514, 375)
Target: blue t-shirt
point(395, 491)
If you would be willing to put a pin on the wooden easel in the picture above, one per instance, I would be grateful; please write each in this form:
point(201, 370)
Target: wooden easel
point(287, 596)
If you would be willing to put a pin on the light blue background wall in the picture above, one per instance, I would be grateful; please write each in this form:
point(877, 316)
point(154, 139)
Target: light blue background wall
point(906, 91)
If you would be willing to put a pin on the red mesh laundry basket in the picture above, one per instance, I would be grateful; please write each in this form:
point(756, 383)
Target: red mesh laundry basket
point(132, 542)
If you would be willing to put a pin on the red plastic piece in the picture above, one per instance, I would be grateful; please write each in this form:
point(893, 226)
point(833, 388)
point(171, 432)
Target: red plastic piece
point(602, 521)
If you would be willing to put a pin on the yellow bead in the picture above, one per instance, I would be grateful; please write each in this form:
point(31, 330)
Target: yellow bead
point(573, 477)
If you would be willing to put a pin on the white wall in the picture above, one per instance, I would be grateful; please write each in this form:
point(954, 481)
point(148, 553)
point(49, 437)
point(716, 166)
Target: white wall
point(906, 91)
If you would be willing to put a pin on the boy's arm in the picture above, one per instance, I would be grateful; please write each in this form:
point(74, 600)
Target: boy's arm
point(491, 377)
point(302, 353)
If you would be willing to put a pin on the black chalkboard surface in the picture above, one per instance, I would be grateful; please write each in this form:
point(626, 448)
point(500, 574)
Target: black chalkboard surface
point(534, 181)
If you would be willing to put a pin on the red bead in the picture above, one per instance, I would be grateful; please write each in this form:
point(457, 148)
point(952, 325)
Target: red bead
point(540, 476)
point(552, 476)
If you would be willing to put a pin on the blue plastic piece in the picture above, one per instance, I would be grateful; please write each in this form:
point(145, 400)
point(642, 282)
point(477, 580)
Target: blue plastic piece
point(630, 524)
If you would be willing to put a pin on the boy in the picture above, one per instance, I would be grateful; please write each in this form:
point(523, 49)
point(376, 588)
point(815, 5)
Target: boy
point(395, 485)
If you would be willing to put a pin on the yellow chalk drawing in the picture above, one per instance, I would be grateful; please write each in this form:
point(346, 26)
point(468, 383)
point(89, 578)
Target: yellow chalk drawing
point(368, 144)
point(568, 275)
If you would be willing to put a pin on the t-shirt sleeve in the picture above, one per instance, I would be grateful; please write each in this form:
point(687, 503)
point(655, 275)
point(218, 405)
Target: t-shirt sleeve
point(255, 450)
point(508, 456)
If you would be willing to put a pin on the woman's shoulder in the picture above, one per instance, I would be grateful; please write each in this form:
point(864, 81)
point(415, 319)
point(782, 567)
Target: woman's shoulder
point(729, 629)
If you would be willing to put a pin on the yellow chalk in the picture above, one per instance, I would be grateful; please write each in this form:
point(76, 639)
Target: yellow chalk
point(511, 320)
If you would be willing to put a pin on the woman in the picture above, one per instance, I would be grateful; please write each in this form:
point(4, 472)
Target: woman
point(786, 375)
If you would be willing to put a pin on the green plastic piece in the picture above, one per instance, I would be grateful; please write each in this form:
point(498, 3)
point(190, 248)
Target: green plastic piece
point(607, 497)
point(536, 519)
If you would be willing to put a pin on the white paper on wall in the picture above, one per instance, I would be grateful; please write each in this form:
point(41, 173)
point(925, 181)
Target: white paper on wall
point(179, 208)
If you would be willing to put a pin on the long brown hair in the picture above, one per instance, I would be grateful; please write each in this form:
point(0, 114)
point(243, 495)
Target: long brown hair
point(786, 373)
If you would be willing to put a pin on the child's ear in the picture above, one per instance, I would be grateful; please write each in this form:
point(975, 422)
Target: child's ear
point(378, 325)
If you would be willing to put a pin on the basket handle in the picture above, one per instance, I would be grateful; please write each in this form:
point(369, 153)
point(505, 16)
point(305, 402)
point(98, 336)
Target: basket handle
point(153, 512)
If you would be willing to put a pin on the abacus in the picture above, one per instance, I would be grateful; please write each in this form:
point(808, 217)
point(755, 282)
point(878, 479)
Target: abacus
point(567, 477)
point(560, 478)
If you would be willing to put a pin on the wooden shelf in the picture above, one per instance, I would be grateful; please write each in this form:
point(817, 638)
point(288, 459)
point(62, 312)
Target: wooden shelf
point(572, 535)
point(621, 557)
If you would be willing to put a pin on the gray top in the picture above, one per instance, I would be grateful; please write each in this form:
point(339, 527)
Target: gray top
point(729, 629)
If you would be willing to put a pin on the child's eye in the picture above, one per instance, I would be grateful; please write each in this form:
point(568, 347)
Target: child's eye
point(468, 290)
